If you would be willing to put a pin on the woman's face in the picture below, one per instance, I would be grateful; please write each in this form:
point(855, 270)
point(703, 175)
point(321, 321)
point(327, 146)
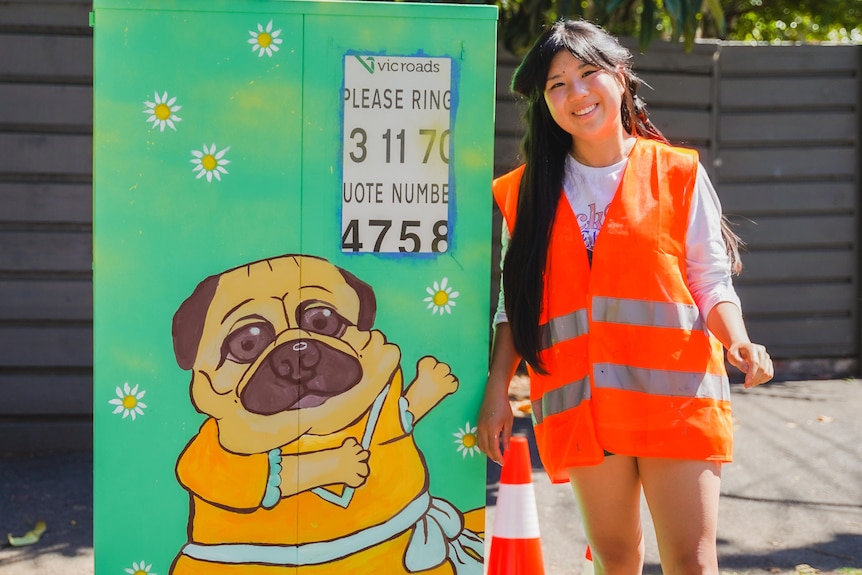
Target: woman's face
point(584, 100)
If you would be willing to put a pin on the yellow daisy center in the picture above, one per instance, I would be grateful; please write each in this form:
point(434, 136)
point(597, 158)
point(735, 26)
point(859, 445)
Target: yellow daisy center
point(162, 112)
point(130, 402)
point(441, 298)
point(469, 440)
point(264, 39)
point(140, 572)
point(209, 162)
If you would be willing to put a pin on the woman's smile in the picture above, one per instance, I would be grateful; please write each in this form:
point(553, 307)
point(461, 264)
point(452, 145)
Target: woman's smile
point(585, 101)
point(585, 111)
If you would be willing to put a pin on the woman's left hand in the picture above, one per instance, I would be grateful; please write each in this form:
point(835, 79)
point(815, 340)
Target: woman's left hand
point(753, 360)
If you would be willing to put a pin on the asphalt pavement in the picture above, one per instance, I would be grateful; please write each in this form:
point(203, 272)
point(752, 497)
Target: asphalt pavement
point(791, 500)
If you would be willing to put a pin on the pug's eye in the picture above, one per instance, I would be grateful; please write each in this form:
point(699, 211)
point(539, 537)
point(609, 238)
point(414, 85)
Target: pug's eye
point(322, 320)
point(248, 342)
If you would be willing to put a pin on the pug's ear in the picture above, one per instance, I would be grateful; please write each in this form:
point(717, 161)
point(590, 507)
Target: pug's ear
point(367, 300)
point(188, 324)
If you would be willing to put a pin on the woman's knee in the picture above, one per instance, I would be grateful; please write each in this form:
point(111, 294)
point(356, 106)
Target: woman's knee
point(702, 561)
point(683, 500)
point(608, 495)
point(618, 555)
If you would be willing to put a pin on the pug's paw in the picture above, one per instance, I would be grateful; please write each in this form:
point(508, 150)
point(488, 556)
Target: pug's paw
point(430, 370)
point(353, 463)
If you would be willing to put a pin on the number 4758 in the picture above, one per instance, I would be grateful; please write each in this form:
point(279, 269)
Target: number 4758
point(411, 241)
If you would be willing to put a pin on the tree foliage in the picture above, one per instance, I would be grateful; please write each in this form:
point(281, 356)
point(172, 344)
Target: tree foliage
point(685, 20)
point(794, 20)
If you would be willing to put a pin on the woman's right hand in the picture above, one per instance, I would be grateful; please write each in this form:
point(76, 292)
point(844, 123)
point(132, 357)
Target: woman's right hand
point(495, 415)
point(495, 423)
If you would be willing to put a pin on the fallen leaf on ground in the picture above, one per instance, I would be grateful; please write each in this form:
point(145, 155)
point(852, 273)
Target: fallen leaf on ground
point(30, 537)
point(522, 408)
point(825, 419)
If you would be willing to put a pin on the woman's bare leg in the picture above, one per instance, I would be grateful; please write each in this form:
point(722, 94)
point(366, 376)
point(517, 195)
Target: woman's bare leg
point(609, 497)
point(683, 500)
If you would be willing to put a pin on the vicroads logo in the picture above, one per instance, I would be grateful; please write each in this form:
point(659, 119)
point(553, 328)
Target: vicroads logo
point(410, 65)
point(367, 63)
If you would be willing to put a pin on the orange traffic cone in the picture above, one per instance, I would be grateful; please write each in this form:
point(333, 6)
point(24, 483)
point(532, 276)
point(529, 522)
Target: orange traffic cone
point(589, 568)
point(515, 545)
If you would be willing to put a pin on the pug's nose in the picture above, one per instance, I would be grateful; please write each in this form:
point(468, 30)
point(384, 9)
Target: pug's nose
point(295, 361)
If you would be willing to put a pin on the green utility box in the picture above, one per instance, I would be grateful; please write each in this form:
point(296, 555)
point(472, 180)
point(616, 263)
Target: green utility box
point(292, 218)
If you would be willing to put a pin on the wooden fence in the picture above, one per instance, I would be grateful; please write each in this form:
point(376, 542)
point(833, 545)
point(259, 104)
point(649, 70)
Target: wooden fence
point(777, 127)
point(45, 225)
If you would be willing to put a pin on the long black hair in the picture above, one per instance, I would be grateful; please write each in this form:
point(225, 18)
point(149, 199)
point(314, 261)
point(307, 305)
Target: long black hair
point(544, 148)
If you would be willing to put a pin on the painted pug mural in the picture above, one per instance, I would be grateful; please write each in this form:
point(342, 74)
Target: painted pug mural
point(306, 462)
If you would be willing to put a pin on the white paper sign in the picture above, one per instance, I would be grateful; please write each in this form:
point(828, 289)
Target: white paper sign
point(397, 147)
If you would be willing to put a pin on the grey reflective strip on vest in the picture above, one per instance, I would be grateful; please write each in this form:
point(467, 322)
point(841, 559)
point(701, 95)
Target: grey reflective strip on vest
point(560, 399)
point(564, 327)
point(647, 313)
point(661, 381)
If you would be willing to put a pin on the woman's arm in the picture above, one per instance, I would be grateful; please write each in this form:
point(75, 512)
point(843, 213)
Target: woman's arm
point(709, 278)
point(495, 415)
point(725, 322)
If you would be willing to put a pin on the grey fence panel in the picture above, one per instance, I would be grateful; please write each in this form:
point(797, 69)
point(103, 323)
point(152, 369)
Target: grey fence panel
point(787, 93)
point(53, 16)
point(35, 394)
point(789, 198)
point(786, 163)
point(691, 127)
point(788, 171)
point(45, 225)
point(799, 232)
point(40, 251)
point(35, 434)
point(791, 299)
point(43, 154)
point(776, 126)
point(783, 267)
point(806, 338)
point(46, 346)
point(682, 90)
point(667, 57)
point(744, 59)
point(29, 300)
point(47, 106)
point(43, 202)
point(46, 58)
point(507, 124)
point(825, 128)
point(506, 64)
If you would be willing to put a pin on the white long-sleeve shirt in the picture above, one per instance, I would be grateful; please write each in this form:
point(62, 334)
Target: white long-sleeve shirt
point(590, 190)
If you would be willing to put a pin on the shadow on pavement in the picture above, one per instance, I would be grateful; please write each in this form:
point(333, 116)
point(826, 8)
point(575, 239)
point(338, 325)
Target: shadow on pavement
point(844, 551)
point(54, 488)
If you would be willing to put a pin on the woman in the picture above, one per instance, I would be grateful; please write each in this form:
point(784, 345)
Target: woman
point(617, 295)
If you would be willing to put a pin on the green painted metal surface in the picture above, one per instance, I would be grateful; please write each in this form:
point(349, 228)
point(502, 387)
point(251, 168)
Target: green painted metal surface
point(261, 426)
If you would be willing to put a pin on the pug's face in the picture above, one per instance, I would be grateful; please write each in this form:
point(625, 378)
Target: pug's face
point(283, 346)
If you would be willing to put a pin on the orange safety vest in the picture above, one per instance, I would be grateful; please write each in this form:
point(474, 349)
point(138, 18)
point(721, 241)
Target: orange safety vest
point(632, 368)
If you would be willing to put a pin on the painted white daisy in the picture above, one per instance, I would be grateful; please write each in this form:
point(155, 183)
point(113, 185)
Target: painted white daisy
point(440, 297)
point(163, 112)
point(128, 401)
point(140, 569)
point(209, 163)
point(265, 40)
point(466, 441)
